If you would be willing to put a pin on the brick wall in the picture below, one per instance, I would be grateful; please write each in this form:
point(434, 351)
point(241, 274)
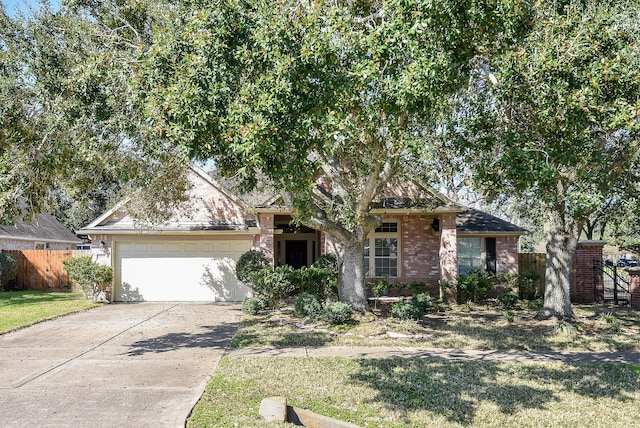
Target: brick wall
point(507, 254)
point(634, 273)
point(587, 281)
point(420, 247)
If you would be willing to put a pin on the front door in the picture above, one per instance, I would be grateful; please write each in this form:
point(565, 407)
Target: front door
point(296, 254)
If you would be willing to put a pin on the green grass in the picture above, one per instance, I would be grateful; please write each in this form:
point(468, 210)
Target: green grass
point(418, 393)
point(482, 327)
point(23, 308)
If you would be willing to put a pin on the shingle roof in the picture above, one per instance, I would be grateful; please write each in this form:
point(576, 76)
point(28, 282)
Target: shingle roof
point(472, 220)
point(44, 227)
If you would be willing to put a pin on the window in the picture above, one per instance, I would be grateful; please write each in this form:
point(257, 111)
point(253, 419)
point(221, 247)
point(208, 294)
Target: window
point(39, 246)
point(469, 254)
point(387, 228)
point(381, 251)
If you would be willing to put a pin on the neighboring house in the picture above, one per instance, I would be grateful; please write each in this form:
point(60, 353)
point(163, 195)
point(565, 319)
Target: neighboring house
point(423, 237)
point(44, 232)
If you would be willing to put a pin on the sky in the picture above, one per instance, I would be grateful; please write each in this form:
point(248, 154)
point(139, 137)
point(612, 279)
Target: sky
point(11, 6)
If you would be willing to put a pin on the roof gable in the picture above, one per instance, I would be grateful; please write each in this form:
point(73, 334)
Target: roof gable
point(412, 195)
point(400, 195)
point(209, 207)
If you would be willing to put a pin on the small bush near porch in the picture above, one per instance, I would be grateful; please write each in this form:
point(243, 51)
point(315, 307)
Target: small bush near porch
point(23, 308)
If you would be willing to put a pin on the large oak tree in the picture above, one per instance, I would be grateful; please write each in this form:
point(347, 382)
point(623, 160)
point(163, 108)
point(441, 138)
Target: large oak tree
point(291, 90)
point(564, 131)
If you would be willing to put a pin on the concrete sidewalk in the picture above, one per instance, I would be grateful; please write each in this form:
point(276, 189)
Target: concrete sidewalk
point(137, 365)
point(441, 354)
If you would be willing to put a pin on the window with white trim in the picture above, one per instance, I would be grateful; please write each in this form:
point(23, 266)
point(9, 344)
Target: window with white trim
point(469, 255)
point(381, 251)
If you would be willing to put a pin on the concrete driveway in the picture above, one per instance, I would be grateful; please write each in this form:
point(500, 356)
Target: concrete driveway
point(138, 365)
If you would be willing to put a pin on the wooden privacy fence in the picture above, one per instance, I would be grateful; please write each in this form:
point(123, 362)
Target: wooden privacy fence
point(43, 269)
point(535, 262)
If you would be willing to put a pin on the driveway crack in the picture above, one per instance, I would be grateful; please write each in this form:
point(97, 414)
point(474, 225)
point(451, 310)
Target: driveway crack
point(93, 348)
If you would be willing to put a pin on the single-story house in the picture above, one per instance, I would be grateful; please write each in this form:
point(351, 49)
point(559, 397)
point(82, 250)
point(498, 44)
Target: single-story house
point(423, 237)
point(44, 232)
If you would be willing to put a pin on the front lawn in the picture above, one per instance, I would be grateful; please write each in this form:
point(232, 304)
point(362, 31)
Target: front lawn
point(419, 393)
point(23, 308)
point(597, 328)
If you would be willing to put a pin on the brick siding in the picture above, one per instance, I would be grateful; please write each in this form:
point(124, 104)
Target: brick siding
point(586, 280)
point(507, 254)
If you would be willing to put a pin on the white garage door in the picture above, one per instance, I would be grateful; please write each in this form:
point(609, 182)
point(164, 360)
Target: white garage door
point(201, 271)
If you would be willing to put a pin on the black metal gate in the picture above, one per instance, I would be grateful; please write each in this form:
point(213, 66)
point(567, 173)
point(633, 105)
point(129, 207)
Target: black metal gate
point(616, 283)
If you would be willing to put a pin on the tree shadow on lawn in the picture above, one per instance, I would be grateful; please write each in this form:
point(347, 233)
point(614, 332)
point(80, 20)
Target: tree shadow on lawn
point(252, 333)
point(213, 337)
point(524, 336)
point(455, 390)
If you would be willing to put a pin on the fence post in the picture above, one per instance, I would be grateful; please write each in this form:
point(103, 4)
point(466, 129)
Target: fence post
point(634, 289)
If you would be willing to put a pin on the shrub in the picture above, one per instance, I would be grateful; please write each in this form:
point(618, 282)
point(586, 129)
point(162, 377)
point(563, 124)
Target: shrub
point(273, 285)
point(8, 269)
point(564, 328)
point(327, 262)
point(407, 311)
point(509, 316)
point(253, 305)
point(527, 288)
point(314, 281)
point(423, 301)
point(249, 263)
point(307, 304)
point(508, 300)
point(92, 277)
point(379, 288)
point(337, 313)
point(474, 285)
point(417, 287)
point(611, 320)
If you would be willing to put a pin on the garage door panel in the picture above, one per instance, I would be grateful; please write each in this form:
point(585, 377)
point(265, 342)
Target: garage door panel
point(157, 248)
point(173, 248)
point(185, 271)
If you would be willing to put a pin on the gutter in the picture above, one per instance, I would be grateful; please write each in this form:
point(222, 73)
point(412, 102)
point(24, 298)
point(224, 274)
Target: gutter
point(248, 231)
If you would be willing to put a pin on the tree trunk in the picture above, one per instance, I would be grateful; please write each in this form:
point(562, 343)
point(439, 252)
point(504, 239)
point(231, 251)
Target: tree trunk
point(351, 288)
point(561, 246)
point(589, 228)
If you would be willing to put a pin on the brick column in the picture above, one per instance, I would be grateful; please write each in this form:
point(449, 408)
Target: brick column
point(634, 273)
point(588, 284)
point(266, 242)
point(448, 252)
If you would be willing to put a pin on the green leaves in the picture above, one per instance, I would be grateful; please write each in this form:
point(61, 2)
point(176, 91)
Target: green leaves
point(565, 96)
point(560, 129)
point(276, 87)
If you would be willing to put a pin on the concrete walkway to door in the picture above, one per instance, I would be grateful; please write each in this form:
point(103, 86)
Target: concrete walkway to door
point(137, 365)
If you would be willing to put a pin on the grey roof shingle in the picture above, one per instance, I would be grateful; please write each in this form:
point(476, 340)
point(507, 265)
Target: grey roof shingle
point(472, 220)
point(44, 227)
